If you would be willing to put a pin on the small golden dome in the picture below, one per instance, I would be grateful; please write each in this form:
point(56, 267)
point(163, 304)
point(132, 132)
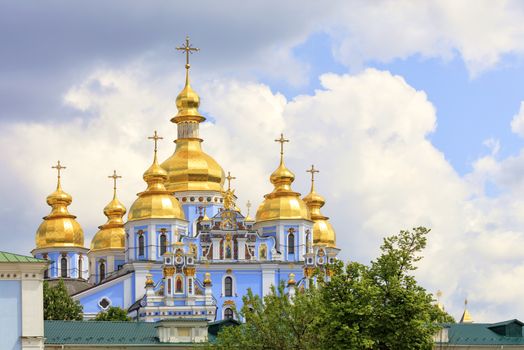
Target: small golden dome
point(59, 228)
point(111, 235)
point(323, 232)
point(155, 201)
point(282, 203)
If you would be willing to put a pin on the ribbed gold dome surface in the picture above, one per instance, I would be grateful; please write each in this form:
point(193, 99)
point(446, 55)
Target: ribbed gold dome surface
point(155, 202)
point(191, 169)
point(283, 202)
point(323, 232)
point(111, 235)
point(59, 228)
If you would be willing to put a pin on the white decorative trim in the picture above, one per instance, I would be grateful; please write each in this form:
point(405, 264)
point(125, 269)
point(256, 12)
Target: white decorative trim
point(108, 300)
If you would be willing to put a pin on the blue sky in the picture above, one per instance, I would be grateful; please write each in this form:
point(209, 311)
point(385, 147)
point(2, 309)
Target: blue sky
point(411, 110)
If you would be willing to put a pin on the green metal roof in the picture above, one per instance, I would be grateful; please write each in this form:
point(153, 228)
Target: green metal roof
point(482, 334)
point(15, 258)
point(99, 332)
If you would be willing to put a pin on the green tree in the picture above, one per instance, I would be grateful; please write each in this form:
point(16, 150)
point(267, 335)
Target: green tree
point(113, 313)
point(58, 305)
point(379, 306)
point(275, 323)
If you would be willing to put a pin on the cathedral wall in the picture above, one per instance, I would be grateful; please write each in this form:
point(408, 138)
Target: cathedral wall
point(11, 315)
point(113, 293)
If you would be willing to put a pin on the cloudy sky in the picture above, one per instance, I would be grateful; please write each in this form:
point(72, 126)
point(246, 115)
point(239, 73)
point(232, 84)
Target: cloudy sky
point(413, 112)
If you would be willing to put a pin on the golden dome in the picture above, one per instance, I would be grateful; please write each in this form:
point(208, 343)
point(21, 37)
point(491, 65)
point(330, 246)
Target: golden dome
point(323, 232)
point(155, 201)
point(282, 203)
point(111, 234)
point(190, 168)
point(59, 228)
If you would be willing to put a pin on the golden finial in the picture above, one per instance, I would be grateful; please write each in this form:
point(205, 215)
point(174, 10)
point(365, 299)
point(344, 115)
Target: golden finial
point(58, 168)
point(466, 316)
point(229, 178)
point(313, 171)
point(188, 50)
point(114, 177)
point(248, 206)
point(439, 294)
point(281, 140)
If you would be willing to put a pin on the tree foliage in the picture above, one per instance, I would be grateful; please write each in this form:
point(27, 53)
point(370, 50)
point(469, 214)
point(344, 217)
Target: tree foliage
point(113, 313)
point(379, 306)
point(58, 305)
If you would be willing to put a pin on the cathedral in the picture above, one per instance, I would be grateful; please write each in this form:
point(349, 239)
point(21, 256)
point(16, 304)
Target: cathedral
point(185, 250)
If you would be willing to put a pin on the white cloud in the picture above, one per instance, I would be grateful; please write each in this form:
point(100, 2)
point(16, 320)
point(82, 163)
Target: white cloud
point(517, 123)
point(367, 133)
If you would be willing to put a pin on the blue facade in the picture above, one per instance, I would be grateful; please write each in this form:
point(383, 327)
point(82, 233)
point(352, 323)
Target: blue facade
point(11, 315)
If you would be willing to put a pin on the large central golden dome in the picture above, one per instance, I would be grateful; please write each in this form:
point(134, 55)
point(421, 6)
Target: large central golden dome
point(190, 168)
point(59, 228)
point(283, 202)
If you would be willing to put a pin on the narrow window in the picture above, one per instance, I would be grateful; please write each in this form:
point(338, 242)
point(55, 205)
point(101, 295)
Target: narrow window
point(228, 286)
point(291, 243)
point(141, 247)
point(190, 286)
point(46, 272)
point(163, 244)
point(228, 314)
point(169, 286)
point(80, 267)
point(102, 270)
point(63, 267)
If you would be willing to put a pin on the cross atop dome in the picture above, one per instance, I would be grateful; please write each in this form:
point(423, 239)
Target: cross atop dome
point(229, 178)
point(281, 140)
point(58, 168)
point(188, 49)
point(114, 177)
point(155, 137)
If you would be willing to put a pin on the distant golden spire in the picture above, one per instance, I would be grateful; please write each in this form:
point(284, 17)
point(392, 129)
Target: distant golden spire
point(114, 210)
point(312, 171)
point(466, 316)
point(248, 206)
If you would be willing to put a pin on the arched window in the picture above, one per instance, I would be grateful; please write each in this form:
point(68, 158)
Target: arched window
point(228, 314)
point(141, 244)
point(228, 286)
point(163, 243)
point(178, 285)
point(63, 267)
point(46, 272)
point(102, 270)
point(291, 243)
point(80, 267)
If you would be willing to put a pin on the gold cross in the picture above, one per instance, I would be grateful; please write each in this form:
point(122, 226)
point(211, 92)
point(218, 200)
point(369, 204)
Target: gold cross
point(114, 177)
point(312, 171)
point(58, 167)
point(156, 138)
point(229, 178)
point(282, 140)
point(188, 49)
